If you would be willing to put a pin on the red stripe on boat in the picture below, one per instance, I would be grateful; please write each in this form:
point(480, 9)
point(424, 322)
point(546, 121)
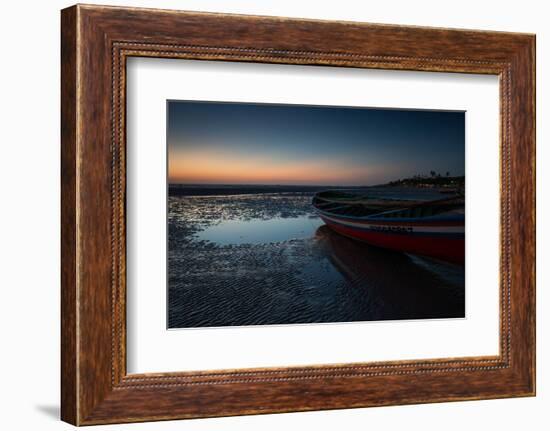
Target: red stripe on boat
point(437, 246)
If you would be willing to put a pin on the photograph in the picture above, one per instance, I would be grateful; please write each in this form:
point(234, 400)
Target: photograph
point(281, 214)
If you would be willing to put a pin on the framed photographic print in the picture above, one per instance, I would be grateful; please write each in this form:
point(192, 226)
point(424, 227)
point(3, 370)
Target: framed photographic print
point(270, 221)
point(268, 215)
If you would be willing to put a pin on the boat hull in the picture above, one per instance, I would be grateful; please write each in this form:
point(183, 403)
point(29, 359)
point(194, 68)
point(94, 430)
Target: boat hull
point(443, 240)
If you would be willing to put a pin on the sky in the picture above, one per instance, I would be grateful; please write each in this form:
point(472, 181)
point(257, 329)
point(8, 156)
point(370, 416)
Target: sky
point(242, 143)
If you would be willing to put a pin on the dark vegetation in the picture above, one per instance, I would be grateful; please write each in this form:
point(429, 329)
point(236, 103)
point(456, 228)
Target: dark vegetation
point(434, 179)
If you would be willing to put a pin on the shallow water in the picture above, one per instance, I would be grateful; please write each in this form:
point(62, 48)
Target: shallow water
point(259, 231)
point(267, 259)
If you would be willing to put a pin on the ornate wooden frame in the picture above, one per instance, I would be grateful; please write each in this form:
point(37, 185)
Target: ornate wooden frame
point(95, 42)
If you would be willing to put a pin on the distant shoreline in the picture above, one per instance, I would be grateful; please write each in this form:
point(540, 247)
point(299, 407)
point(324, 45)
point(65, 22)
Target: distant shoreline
point(237, 189)
point(230, 189)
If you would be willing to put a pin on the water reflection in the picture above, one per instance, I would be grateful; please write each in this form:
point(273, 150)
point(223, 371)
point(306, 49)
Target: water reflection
point(403, 286)
point(260, 231)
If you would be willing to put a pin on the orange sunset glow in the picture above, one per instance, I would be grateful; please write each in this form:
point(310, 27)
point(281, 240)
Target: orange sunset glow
point(198, 168)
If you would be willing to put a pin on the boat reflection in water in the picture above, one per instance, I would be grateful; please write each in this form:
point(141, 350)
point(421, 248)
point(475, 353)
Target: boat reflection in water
point(394, 285)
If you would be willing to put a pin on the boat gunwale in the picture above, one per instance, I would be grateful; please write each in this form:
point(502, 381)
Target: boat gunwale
point(395, 220)
point(434, 235)
point(380, 216)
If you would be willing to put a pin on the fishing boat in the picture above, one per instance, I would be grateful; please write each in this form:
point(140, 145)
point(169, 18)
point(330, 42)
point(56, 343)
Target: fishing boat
point(433, 228)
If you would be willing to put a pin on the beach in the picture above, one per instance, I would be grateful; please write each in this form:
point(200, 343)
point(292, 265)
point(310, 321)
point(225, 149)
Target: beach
point(230, 264)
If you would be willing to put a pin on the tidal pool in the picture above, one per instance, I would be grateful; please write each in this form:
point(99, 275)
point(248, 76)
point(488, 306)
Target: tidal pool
point(260, 231)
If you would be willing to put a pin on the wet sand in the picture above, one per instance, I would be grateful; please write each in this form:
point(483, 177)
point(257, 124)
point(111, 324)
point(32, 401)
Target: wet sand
point(320, 278)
